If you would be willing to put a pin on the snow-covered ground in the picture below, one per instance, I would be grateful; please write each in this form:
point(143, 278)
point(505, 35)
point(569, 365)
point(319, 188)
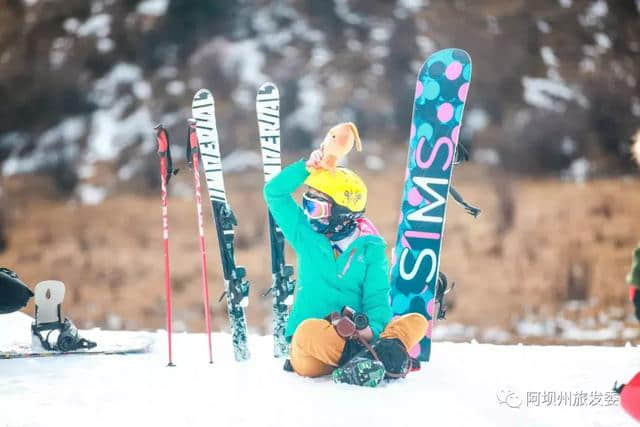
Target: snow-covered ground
point(465, 385)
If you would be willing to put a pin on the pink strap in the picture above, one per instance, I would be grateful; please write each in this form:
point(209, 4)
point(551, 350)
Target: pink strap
point(366, 227)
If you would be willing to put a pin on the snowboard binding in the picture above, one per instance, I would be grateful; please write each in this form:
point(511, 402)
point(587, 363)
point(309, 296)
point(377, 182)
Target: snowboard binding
point(59, 335)
point(442, 289)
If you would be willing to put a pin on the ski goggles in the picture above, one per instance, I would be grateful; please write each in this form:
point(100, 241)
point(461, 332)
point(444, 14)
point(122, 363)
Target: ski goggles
point(315, 207)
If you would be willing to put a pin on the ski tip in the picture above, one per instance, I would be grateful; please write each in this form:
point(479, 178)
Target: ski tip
point(202, 94)
point(450, 55)
point(158, 127)
point(268, 88)
point(444, 58)
point(191, 121)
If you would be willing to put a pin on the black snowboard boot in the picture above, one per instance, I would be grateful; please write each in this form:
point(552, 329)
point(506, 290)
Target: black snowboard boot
point(385, 358)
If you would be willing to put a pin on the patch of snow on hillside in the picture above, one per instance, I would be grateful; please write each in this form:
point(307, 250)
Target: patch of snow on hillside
point(241, 160)
point(13, 141)
point(153, 7)
point(176, 87)
point(496, 335)
point(543, 26)
point(69, 130)
point(71, 25)
point(59, 49)
point(264, 22)
point(105, 89)
point(548, 56)
point(587, 65)
point(320, 56)
point(426, 45)
point(53, 145)
point(91, 194)
point(345, 13)
point(354, 45)
point(111, 132)
point(413, 5)
point(105, 45)
point(142, 89)
point(243, 59)
point(167, 72)
point(568, 146)
point(453, 331)
point(406, 8)
point(374, 163)
point(578, 170)
point(96, 25)
point(381, 34)
point(603, 41)
point(546, 93)
point(379, 52)
point(487, 156)
point(475, 120)
point(594, 14)
point(308, 115)
point(635, 106)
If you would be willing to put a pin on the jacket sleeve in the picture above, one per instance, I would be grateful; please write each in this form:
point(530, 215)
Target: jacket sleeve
point(376, 291)
point(285, 211)
point(633, 278)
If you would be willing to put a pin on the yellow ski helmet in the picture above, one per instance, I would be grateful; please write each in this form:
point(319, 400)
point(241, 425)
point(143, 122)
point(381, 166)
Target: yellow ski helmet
point(345, 187)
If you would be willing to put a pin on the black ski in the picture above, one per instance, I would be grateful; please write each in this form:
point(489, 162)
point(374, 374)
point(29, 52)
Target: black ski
point(236, 285)
point(268, 110)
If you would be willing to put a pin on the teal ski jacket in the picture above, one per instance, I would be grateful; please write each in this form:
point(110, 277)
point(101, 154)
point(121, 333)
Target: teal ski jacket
point(358, 278)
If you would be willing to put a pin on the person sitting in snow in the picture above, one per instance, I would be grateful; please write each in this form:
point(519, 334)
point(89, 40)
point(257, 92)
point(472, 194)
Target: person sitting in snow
point(341, 263)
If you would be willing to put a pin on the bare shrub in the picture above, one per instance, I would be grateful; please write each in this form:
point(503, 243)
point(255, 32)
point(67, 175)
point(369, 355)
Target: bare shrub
point(578, 280)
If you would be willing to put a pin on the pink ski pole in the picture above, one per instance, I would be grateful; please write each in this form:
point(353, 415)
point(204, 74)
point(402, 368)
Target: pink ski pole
point(193, 159)
point(166, 171)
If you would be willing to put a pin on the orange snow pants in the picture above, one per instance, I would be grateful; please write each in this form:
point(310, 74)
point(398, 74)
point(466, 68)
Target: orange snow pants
point(316, 347)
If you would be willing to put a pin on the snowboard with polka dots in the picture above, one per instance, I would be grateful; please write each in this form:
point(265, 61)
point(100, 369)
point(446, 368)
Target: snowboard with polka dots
point(441, 91)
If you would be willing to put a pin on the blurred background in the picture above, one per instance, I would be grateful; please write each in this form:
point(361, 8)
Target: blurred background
point(553, 106)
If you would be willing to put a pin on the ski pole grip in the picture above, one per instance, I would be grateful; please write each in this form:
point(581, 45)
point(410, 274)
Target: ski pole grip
point(161, 138)
point(193, 136)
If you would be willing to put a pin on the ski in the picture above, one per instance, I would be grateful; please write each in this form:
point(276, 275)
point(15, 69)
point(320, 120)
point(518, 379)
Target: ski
point(193, 161)
point(236, 285)
point(441, 92)
point(282, 286)
point(166, 172)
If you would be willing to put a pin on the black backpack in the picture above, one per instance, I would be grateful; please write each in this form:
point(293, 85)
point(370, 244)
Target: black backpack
point(14, 294)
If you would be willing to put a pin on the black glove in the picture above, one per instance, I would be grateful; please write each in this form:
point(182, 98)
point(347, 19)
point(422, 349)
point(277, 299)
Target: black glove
point(14, 294)
point(634, 296)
